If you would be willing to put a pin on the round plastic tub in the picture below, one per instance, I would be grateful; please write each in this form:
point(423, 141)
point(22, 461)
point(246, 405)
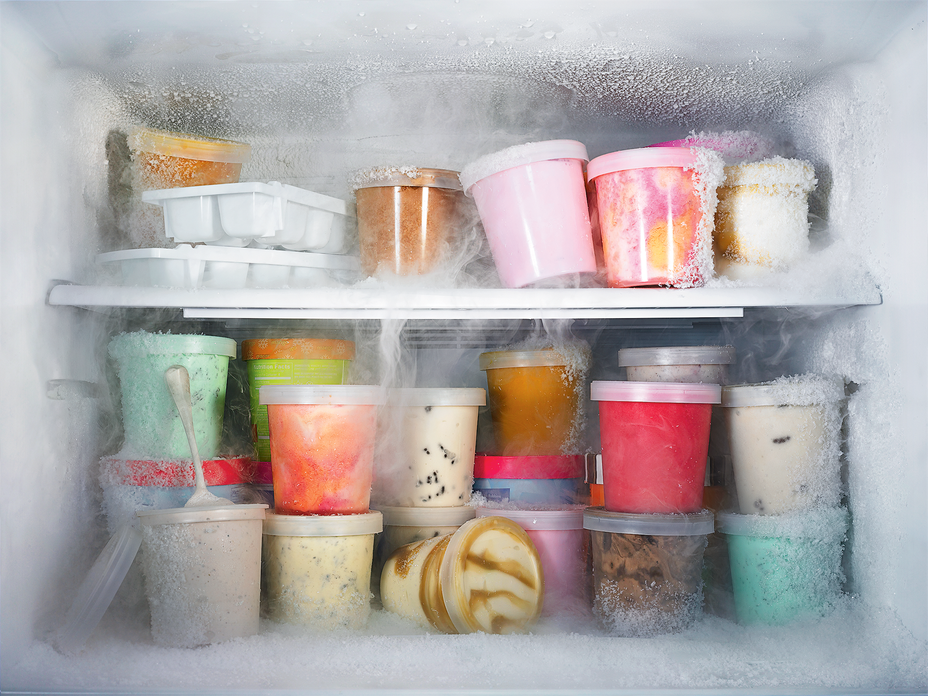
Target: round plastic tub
point(153, 429)
point(651, 218)
point(437, 435)
point(655, 440)
point(647, 569)
point(485, 577)
point(785, 441)
point(536, 399)
point(532, 201)
point(762, 220)
point(563, 546)
point(174, 160)
point(785, 567)
point(707, 364)
point(322, 446)
point(317, 569)
point(408, 218)
point(535, 480)
point(290, 361)
point(202, 568)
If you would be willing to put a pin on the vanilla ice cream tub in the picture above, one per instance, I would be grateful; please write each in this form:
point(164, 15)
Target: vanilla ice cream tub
point(317, 568)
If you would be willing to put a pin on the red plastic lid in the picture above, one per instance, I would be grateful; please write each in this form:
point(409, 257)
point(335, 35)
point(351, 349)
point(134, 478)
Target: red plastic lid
point(641, 158)
point(526, 467)
point(262, 473)
point(297, 349)
point(175, 473)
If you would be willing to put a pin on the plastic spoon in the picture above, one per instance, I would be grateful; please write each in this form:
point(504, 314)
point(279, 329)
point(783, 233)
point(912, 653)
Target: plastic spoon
point(179, 385)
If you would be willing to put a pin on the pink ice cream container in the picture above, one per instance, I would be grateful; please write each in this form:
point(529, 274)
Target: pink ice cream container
point(532, 201)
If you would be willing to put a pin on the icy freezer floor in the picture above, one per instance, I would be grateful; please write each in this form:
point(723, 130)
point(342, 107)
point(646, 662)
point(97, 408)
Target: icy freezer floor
point(854, 649)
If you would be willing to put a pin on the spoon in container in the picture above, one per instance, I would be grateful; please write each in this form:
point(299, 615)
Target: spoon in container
point(179, 385)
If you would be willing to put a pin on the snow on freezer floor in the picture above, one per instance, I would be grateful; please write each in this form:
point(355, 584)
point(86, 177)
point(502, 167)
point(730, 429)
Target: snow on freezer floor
point(853, 649)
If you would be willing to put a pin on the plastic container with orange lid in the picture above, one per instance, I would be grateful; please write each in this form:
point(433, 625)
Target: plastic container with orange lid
point(290, 361)
point(173, 160)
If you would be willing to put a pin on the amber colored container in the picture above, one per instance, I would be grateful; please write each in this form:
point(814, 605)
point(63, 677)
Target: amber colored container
point(535, 398)
point(407, 218)
point(166, 160)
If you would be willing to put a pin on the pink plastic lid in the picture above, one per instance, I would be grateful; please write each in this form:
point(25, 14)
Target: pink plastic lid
point(661, 392)
point(519, 155)
point(641, 158)
point(562, 519)
point(175, 472)
point(529, 467)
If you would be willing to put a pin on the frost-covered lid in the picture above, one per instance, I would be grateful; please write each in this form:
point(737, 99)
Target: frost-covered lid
point(799, 390)
point(519, 155)
point(823, 523)
point(439, 396)
point(776, 170)
point(404, 176)
point(145, 343)
point(426, 516)
point(733, 146)
point(500, 359)
point(345, 394)
point(188, 146)
point(677, 355)
point(641, 158)
point(659, 392)
point(667, 524)
point(297, 349)
point(528, 467)
point(557, 520)
point(202, 513)
point(174, 473)
point(323, 525)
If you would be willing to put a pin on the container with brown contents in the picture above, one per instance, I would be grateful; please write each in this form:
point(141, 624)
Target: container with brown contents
point(407, 218)
point(175, 160)
point(647, 569)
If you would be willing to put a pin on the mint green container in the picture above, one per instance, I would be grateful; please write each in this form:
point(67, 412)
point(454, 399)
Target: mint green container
point(785, 567)
point(150, 420)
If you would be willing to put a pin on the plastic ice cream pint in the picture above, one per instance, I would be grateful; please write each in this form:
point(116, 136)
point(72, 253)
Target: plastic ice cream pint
point(650, 217)
point(647, 569)
point(317, 569)
point(153, 429)
point(485, 577)
point(408, 218)
point(707, 364)
point(202, 568)
point(322, 446)
point(536, 399)
point(785, 567)
point(563, 546)
point(785, 439)
point(437, 439)
point(655, 440)
point(176, 160)
point(532, 201)
point(290, 361)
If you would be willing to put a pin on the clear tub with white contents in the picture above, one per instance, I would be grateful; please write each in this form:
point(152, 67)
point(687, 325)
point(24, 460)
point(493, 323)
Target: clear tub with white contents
point(317, 568)
point(707, 364)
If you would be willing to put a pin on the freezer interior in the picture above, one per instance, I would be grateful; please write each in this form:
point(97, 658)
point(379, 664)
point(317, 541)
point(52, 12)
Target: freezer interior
point(320, 90)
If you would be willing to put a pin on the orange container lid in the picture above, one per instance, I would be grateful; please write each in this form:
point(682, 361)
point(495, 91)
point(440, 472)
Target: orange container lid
point(297, 349)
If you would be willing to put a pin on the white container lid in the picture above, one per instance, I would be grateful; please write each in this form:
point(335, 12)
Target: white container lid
point(677, 355)
point(426, 516)
point(681, 524)
point(323, 525)
point(439, 396)
point(519, 155)
point(641, 158)
point(145, 343)
point(346, 394)
point(819, 523)
point(658, 392)
point(558, 520)
point(202, 513)
point(803, 390)
point(500, 359)
point(405, 176)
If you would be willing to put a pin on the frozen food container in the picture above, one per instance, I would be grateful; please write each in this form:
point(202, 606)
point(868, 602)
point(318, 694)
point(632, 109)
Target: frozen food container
point(531, 479)
point(677, 363)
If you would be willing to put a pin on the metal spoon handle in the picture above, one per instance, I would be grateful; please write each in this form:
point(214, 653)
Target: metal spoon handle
point(179, 385)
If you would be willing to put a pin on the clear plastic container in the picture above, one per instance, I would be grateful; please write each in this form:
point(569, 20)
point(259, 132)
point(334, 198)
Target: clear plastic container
point(532, 201)
point(707, 364)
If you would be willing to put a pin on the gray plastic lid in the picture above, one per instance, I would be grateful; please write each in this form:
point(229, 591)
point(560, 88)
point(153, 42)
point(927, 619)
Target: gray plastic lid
point(802, 390)
point(146, 343)
point(562, 519)
point(202, 513)
point(499, 359)
point(346, 394)
point(683, 524)
point(323, 525)
point(677, 355)
point(656, 392)
point(426, 516)
point(439, 396)
point(98, 588)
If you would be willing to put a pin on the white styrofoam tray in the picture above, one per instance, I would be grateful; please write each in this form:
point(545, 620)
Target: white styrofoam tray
point(232, 268)
point(271, 214)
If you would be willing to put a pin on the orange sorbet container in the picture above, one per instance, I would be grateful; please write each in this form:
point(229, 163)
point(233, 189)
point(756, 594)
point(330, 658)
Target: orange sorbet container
point(322, 446)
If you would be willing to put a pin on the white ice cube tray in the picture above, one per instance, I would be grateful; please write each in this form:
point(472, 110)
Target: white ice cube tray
point(231, 268)
point(271, 214)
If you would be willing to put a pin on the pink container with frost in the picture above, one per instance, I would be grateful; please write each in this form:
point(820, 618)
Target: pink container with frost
point(532, 201)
